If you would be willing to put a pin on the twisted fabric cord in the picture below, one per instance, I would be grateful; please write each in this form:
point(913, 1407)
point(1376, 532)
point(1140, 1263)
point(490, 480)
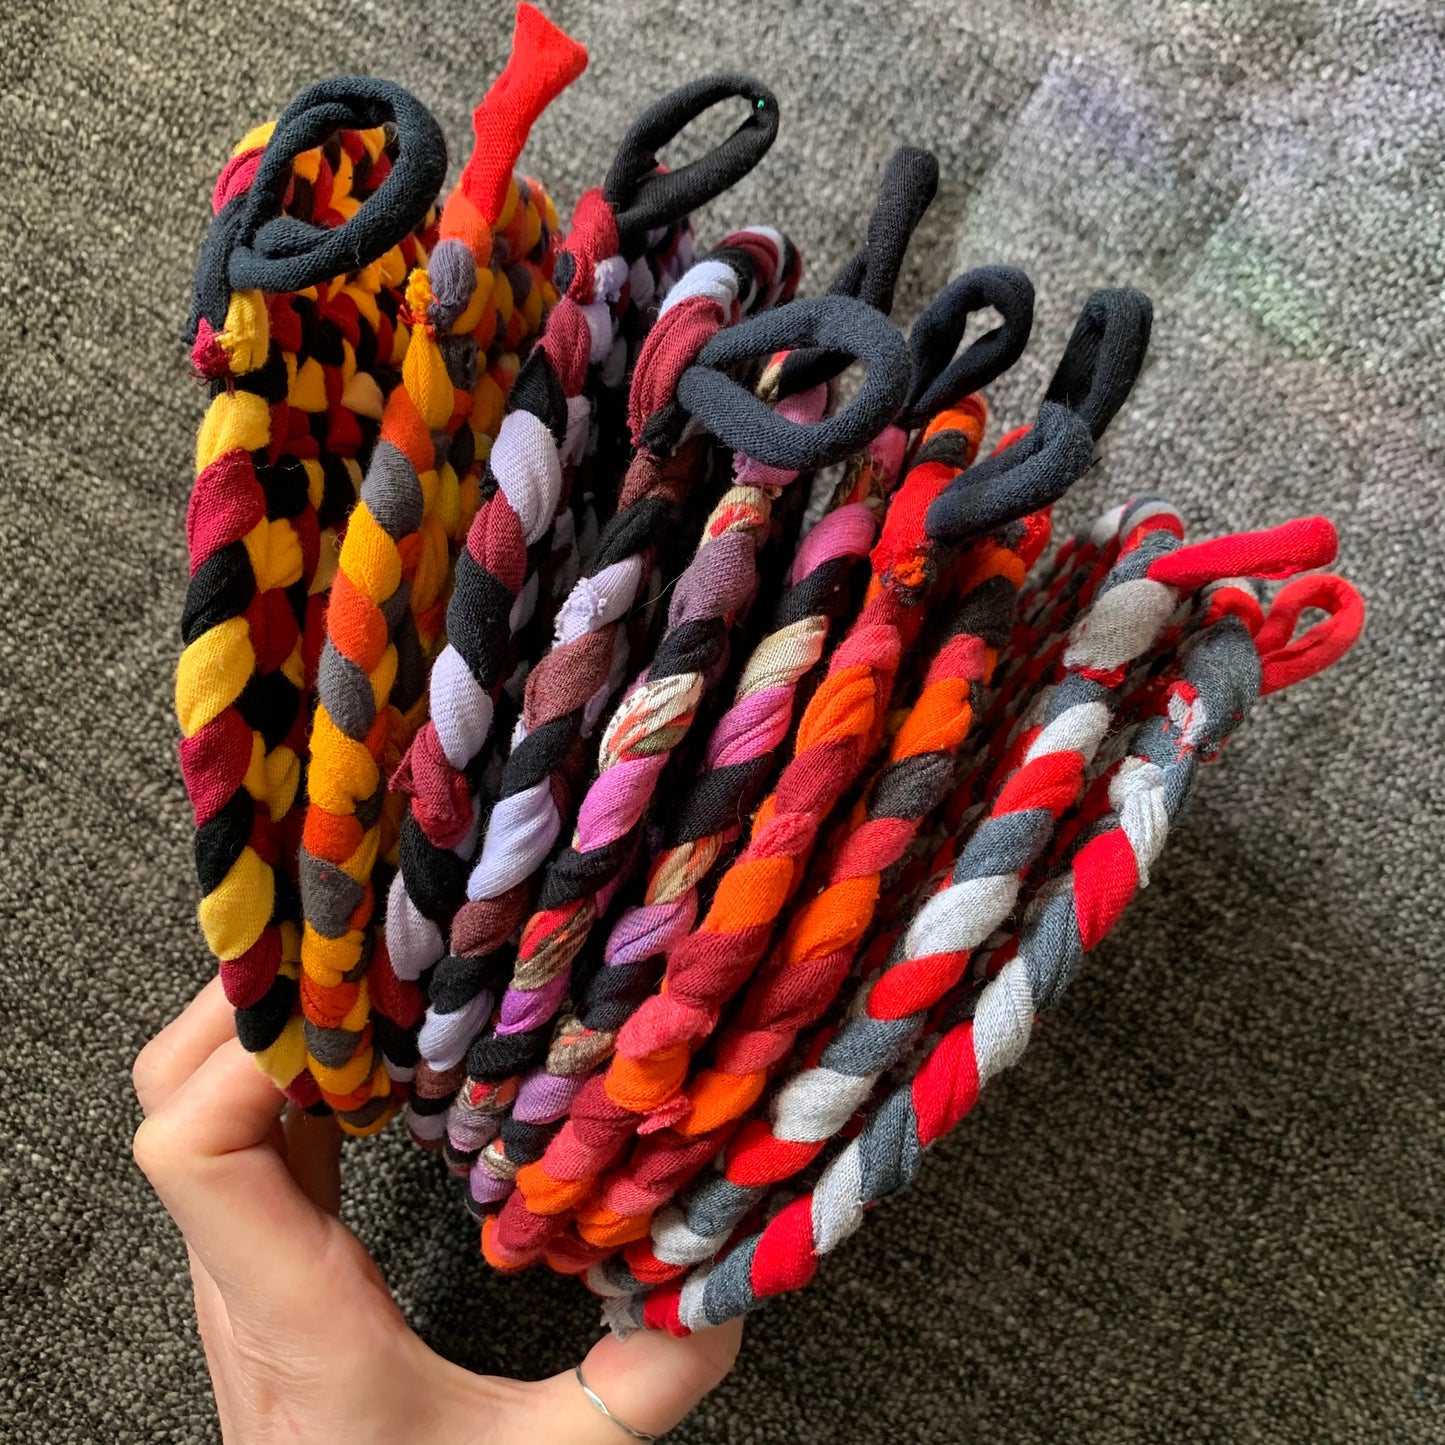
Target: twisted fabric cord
point(1071, 720)
point(385, 613)
point(1047, 614)
point(723, 797)
point(569, 686)
point(1220, 679)
point(298, 383)
point(837, 734)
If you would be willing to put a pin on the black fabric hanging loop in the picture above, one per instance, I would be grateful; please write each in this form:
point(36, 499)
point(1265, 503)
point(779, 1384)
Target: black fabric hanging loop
point(909, 184)
point(645, 198)
point(940, 379)
point(1034, 472)
point(251, 245)
point(833, 323)
point(1094, 377)
point(907, 189)
point(1104, 356)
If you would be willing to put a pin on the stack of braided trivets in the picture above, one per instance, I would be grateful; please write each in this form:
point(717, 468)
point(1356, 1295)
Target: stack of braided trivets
point(674, 791)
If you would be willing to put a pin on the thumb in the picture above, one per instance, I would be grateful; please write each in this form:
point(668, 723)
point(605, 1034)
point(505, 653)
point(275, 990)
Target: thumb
point(648, 1383)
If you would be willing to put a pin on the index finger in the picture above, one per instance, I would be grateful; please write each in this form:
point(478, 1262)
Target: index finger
point(174, 1054)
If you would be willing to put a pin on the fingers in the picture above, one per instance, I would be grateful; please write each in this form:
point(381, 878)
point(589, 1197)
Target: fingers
point(649, 1381)
point(208, 1152)
point(180, 1048)
point(313, 1155)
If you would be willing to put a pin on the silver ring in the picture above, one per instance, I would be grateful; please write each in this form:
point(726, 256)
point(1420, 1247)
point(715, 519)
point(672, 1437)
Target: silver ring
point(597, 1404)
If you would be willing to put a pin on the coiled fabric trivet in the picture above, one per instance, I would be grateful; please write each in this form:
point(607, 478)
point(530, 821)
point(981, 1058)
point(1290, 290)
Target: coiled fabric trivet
point(300, 352)
point(547, 429)
point(569, 686)
point(1218, 681)
point(389, 599)
point(740, 753)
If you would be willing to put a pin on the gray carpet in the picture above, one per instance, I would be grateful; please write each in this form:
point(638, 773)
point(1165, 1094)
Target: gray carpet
point(1209, 1206)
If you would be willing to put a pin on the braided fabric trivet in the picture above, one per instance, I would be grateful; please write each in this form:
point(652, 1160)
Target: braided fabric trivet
point(740, 754)
point(300, 352)
point(388, 601)
point(569, 686)
point(547, 429)
point(1219, 678)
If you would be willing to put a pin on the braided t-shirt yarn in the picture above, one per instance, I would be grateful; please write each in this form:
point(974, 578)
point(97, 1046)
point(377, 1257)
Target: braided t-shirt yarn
point(675, 775)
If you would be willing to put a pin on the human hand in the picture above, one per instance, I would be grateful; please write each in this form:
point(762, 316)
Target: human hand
point(303, 1340)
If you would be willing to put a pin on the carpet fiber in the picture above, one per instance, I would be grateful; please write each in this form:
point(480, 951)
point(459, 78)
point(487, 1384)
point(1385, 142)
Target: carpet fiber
point(1210, 1204)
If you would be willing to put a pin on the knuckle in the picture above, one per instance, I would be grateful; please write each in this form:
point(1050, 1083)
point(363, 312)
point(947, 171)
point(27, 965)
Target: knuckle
point(146, 1070)
point(153, 1148)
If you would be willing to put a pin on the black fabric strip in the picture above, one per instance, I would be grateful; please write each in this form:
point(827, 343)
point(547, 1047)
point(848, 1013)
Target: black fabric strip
point(744, 422)
point(538, 755)
point(338, 491)
point(267, 705)
point(252, 245)
point(941, 379)
point(538, 390)
point(296, 595)
point(524, 1142)
point(1104, 356)
point(631, 532)
point(394, 1040)
point(477, 620)
point(222, 588)
point(719, 799)
point(1034, 472)
point(499, 1056)
point(987, 612)
point(949, 446)
point(911, 787)
point(693, 647)
point(463, 450)
point(221, 839)
point(615, 994)
point(329, 348)
point(824, 592)
point(259, 1026)
point(645, 198)
point(456, 981)
point(436, 878)
point(907, 189)
point(269, 381)
point(572, 875)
